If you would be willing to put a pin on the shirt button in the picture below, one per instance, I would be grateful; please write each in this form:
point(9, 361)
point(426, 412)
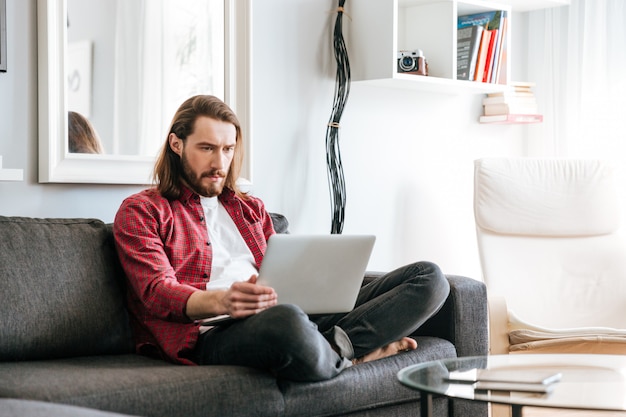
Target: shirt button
point(208, 243)
point(201, 219)
point(205, 275)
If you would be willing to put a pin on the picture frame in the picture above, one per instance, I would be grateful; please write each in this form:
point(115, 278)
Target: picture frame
point(3, 35)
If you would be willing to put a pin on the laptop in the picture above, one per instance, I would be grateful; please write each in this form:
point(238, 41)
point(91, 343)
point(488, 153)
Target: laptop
point(322, 274)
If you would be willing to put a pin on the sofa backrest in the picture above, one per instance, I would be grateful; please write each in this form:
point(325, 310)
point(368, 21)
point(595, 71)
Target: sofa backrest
point(62, 290)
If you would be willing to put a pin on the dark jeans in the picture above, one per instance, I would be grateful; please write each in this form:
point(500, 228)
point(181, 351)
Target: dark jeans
point(284, 340)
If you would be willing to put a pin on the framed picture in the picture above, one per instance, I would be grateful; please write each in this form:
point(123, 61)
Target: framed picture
point(3, 35)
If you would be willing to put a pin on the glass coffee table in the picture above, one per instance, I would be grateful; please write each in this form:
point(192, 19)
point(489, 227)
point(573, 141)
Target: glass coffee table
point(588, 382)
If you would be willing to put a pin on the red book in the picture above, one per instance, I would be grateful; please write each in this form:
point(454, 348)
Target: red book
point(500, 58)
point(482, 55)
point(490, 52)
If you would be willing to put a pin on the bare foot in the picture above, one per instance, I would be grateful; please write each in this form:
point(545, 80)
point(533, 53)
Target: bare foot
point(403, 345)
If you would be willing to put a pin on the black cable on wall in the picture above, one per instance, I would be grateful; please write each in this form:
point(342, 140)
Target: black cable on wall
point(336, 180)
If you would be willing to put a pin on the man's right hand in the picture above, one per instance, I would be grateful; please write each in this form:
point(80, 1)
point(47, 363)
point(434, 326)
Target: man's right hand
point(242, 299)
point(247, 298)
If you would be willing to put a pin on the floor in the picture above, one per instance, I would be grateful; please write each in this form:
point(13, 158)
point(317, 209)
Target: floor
point(552, 412)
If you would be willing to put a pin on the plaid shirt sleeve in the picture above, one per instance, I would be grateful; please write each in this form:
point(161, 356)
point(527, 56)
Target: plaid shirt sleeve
point(165, 251)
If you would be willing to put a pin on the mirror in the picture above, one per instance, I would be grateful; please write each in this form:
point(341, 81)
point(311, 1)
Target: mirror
point(129, 150)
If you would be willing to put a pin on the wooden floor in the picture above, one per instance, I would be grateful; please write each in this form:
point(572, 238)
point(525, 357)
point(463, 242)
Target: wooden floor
point(553, 412)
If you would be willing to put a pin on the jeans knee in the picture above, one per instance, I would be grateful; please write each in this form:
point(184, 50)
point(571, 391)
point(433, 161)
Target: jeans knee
point(290, 325)
point(302, 352)
point(431, 279)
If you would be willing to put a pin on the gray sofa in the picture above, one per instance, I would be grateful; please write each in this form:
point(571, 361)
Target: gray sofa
point(65, 339)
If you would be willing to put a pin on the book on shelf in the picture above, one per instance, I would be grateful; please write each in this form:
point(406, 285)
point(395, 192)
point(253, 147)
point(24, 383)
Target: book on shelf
point(495, 25)
point(482, 55)
point(511, 94)
point(525, 99)
point(512, 118)
point(500, 54)
point(489, 57)
point(520, 87)
point(509, 108)
point(476, 19)
point(518, 92)
point(488, 50)
point(468, 44)
point(522, 84)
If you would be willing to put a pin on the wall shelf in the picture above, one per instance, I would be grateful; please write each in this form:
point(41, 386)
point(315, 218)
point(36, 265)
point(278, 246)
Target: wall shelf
point(380, 28)
point(432, 84)
point(530, 5)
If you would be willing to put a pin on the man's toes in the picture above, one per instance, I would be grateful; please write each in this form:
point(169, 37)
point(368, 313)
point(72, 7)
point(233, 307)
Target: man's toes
point(407, 343)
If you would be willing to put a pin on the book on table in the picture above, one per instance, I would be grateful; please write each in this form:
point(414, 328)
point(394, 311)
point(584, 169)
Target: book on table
point(513, 386)
point(526, 380)
point(519, 375)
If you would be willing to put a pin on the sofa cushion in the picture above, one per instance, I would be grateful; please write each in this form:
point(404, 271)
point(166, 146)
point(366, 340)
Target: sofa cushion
point(134, 384)
point(62, 290)
point(365, 386)
point(20, 408)
point(280, 222)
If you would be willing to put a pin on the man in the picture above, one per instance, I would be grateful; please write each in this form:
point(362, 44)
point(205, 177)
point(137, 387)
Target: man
point(191, 248)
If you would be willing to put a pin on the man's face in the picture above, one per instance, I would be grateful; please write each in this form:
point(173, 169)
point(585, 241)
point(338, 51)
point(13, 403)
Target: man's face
point(206, 155)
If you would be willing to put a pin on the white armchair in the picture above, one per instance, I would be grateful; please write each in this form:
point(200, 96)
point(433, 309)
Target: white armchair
point(552, 254)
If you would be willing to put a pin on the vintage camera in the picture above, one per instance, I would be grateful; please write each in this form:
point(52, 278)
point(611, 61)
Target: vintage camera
point(412, 62)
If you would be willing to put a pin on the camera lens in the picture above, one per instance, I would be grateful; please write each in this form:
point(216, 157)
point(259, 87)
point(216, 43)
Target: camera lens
point(406, 63)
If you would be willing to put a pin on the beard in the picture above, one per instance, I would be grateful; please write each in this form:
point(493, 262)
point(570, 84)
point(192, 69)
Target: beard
point(194, 180)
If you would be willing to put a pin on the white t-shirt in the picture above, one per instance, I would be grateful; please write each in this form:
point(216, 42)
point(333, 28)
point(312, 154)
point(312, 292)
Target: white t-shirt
point(232, 259)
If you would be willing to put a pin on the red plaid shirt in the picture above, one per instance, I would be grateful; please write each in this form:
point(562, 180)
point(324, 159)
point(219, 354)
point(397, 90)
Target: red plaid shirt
point(166, 254)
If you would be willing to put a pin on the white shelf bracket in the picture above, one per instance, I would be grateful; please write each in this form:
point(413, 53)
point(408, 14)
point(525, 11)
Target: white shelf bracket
point(10, 174)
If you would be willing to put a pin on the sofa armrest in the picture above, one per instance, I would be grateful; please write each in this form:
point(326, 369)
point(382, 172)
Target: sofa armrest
point(463, 319)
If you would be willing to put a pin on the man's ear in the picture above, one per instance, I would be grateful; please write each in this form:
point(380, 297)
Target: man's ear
point(176, 144)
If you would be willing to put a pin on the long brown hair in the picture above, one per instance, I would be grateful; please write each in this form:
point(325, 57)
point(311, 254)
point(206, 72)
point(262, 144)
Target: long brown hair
point(168, 169)
point(82, 136)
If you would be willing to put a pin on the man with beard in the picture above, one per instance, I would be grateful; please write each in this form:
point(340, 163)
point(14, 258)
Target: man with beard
point(191, 248)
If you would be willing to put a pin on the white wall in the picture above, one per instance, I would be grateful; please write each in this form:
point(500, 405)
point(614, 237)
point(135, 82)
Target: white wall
point(407, 155)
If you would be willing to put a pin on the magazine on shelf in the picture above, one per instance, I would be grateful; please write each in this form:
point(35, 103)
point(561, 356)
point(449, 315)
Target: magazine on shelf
point(468, 44)
point(476, 19)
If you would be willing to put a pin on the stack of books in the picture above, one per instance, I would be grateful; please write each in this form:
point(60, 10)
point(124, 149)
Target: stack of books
point(482, 47)
point(516, 379)
point(515, 105)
